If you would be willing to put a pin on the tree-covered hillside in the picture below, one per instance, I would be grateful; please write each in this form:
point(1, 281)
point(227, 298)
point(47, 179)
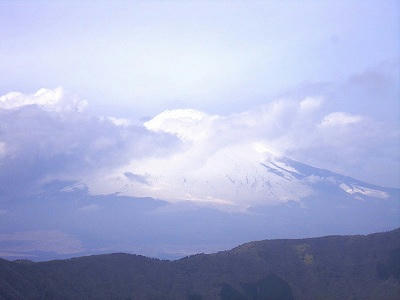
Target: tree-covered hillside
point(333, 267)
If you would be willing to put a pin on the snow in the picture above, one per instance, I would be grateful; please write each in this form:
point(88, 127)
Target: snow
point(355, 189)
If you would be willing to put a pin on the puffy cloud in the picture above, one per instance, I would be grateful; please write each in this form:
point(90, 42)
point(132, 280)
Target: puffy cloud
point(186, 154)
point(219, 161)
point(53, 100)
point(46, 135)
point(187, 124)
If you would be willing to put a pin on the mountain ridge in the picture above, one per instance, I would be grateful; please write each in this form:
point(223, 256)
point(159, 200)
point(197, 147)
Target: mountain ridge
point(328, 267)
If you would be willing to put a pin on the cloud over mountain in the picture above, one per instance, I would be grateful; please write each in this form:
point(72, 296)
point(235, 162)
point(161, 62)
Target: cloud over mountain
point(48, 135)
point(218, 151)
point(238, 163)
point(182, 153)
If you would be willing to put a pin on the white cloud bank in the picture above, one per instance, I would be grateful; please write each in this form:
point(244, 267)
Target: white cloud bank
point(48, 99)
point(221, 157)
point(49, 135)
point(186, 154)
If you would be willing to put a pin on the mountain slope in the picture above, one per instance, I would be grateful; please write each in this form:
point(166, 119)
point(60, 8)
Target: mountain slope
point(69, 221)
point(333, 267)
point(277, 198)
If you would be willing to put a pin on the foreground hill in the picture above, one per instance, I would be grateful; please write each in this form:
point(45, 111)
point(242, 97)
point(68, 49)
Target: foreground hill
point(333, 267)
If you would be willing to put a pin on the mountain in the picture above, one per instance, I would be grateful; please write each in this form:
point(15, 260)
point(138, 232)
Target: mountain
point(235, 181)
point(285, 199)
point(332, 267)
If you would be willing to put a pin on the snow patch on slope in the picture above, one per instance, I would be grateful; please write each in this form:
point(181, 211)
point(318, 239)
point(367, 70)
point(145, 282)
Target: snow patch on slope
point(355, 189)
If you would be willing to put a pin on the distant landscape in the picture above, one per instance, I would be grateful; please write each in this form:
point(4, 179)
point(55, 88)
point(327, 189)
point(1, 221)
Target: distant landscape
point(61, 219)
point(333, 267)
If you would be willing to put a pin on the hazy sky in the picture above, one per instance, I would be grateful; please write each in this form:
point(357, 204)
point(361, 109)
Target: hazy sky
point(317, 81)
point(137, 58)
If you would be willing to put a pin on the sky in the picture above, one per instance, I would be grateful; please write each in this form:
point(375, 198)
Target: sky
point(99, 90)
point(227, 105)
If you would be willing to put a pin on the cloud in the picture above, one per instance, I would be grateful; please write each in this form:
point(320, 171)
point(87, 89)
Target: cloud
point(135, 177)
point(340, 119)
point(219, 160)
point(47, 135)
point(310, 104)
point(187, 124)
point(186, 154)
point(53, 100)
point(119, 121)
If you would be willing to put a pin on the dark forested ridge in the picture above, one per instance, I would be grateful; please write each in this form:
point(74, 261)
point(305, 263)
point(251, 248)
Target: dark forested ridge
point(333, 267)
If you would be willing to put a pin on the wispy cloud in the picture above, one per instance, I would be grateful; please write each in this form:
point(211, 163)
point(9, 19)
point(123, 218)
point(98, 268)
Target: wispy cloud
point(340, 119)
